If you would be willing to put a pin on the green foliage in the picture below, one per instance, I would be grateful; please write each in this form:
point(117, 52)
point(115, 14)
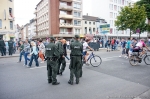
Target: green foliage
point(146, 4)
point(131, 17)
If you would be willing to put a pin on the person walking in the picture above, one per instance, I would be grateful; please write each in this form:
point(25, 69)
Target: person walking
point(41, 47)
point(34, 55)
point(76, 60)
point(112, 44)
point(21, 49)
point(52, 55)
point(149, 41)
point(68, 44)
point(2, 47)
point(108, 45)
point(26, 52)
point(123, 44)
point(61, 60)
point(128, 47)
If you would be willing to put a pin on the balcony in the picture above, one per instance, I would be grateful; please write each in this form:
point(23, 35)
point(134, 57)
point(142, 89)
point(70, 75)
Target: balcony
point(11, 18)
point(66, 16)
point(65, 33)
point(66, 25)
point(68, 8)
point(35, 11)
point(67, 0)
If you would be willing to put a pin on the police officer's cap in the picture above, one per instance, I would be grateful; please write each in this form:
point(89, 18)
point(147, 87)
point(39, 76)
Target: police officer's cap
point(52, 38)
point(77, 36)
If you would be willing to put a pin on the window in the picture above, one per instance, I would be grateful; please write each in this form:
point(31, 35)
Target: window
point(77, 31)
point(111, 6)
point(77, 5)
point(10, 12)
point(63, 12)
point(11, 24)
point(10, 0)
point(85, 22)
point(77, 14)
point(93, 23)
point(90, 31)
point(0, 23)
point(77, 23)
point(93, 29)
point(115, 7)
point(111, 14)
point(86, 30)
point(111, 0)
point(90, 23)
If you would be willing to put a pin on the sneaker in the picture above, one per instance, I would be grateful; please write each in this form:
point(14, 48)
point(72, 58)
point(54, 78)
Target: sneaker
point(42, 62)
point(119, 56)
point(87, 64)
point(19, 62)
point(28, 66)
point(24, 65)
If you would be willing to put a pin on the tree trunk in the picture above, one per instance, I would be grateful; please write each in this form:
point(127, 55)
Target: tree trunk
point(130, 34)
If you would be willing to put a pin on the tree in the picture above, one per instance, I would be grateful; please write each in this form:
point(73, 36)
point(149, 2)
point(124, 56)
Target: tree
point(130, 17)
point(146, 4)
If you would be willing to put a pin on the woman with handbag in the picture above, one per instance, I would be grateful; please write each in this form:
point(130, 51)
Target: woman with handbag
point(34, 55)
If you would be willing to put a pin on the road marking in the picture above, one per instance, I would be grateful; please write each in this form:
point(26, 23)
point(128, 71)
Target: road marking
point(103, 60)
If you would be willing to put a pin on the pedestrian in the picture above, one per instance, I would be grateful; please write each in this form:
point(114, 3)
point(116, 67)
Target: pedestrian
point(41, 53)
point(112, 44)
point(61, 60)
point(2, 47)
point(76, 60)
point(149, 41)
point(26, 52)
point(68, 44)
point(123, 45)
point(11, 46)
point(52, 55)
point(34, 55)
point(21, 50)
point(128, 45)
point(108, 45)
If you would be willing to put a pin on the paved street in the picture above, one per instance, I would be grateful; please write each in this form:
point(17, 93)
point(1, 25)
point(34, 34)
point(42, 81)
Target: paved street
point(114, 79)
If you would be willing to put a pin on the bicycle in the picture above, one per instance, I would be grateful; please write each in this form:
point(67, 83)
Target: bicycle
point(135, 58)
point(95, 60)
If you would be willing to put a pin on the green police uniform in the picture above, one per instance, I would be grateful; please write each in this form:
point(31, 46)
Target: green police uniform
point(11, 45)
point(52, 56)
point(61, 60)
point(76, 60)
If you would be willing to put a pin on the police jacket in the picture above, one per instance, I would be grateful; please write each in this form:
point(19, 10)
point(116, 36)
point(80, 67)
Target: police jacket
point(10, 43)
point(2, 43)
point(51, 50)
point(76, 48)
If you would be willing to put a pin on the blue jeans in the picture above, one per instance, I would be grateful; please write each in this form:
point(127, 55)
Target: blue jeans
point(26, 57)
point(20, 58)
point(35, 59)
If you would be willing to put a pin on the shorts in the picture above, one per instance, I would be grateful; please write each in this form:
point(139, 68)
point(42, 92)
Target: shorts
point(84, 53)
point(137, 49)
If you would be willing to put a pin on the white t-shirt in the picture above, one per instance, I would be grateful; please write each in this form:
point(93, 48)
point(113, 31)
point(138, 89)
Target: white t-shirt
point(85, 45)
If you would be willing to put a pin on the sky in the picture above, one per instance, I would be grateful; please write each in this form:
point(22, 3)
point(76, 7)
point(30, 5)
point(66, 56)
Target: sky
point(24, 10)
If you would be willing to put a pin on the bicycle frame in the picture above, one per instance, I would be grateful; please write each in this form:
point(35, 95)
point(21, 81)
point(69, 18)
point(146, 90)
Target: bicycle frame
point(90, 56)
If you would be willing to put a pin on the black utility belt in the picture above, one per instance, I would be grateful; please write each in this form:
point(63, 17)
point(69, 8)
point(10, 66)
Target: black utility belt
point(53, 59)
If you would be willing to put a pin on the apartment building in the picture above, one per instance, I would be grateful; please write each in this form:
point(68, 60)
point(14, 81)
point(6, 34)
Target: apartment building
point(109, 10)
point(91, 24)
point(7, 19)
point(58, 18)
point(31, 29)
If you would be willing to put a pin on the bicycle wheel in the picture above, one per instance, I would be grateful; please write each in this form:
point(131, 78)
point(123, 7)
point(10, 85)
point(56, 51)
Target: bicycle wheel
point(147, 59)
point(95, 61)
point(133, 60)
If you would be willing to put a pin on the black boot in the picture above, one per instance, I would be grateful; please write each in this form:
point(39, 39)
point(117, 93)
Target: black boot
point(77, 81)
point(60, 73)
point(49, 81)
point(70, 82)
point(56, 83)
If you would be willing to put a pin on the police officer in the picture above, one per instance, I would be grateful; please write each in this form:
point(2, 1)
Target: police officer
point(2, 47)
point(76, 60)
point(11, 45)
point(61, 60)
point(52, 55)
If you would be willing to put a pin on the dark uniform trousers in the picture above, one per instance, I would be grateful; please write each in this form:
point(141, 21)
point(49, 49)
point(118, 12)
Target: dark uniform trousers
point(10, 50)
point(52, 68)
point(75, 68)
point(63, 62)
point(2, 50)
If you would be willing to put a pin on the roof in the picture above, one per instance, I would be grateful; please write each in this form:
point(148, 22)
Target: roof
point(92, 18)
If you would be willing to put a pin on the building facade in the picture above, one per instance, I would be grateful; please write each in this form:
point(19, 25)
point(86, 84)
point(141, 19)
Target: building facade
point(109, 10)
point(58, 18)
point(31, 29)
point(91, 24)
point(7, 19)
